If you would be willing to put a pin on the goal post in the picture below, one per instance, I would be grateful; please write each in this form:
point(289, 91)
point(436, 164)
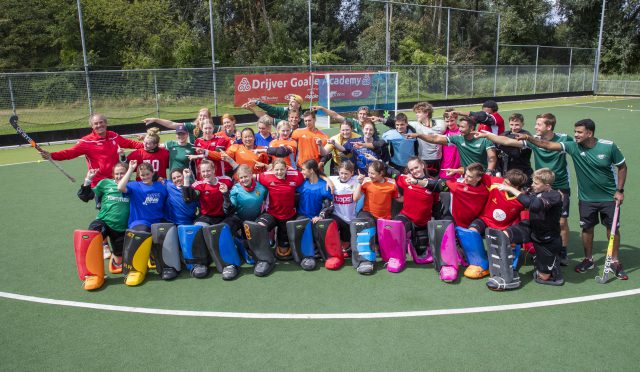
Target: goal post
point(345, 92)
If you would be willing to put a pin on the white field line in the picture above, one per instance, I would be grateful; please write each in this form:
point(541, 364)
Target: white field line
point(608, 108)
point(316, 316)
point(23, 162)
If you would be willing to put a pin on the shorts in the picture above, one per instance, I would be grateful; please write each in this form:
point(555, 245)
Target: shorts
point(566, 202)
point(593, 212)
point(116, 238)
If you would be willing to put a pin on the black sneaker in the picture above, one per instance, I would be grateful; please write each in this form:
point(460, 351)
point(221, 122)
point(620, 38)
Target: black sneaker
point(585, 265)
point(616, 268)
point(564, 260)
point(168, 273)
point(230, 272)
point(199, 271)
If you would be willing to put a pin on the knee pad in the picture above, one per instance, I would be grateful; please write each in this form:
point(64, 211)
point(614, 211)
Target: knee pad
point(442, 238)
point(301, 238)
point(392, 239)
point(88, 251)
point(363, 233)
point(221, 246)
point(166, 246)
point(192, 245)
point(135, 257)
point(419, 247)
point(327, 238)
point(258, 239)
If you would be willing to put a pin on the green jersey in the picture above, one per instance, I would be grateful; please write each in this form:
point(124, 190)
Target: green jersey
point(114, 210)
point(595, 169)
point(554, 160)
point(279, 113)
point(357, 128)
point(178, 154)
point(190, 127)
point(471, 151)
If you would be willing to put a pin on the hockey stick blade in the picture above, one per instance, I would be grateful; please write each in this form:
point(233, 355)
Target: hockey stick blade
point(13, 120)
point(609, 259)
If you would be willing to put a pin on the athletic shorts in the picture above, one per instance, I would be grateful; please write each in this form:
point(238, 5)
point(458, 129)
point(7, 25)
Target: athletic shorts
point(566, 202)
point(593, 212)
point(116, 238)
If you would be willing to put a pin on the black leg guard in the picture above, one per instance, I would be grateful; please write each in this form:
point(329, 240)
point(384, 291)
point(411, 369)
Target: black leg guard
point(327, 239)
point(301, 239)
point(501, 257)
point(166, 249)
point(258, 239)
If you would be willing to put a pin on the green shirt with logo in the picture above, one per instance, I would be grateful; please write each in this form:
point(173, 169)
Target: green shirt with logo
point(554, 160)
point(471, 151)
point(178, 154)
point(114, 209)
point(595, 169)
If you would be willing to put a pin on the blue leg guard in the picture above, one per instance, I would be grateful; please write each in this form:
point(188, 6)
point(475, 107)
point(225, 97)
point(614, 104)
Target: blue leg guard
point(221, 246)
point(363, 234)
point(192, 245)
point(242, 247)
point(301, 238)
point(473, 247)
point(516, 255)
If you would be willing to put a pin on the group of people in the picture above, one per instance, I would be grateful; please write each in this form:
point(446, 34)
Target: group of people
point(432, 188)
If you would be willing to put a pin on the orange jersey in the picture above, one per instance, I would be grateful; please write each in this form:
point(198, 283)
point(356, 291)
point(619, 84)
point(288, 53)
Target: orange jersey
point(307, 147)
point(243, 155)
point(291, 144)
point(378, 197)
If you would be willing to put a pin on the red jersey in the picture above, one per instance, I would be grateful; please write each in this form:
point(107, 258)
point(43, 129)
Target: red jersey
point(499, 123)
point(100, 152)
point(211, 145)
point(467, 201)
point(501, 210)
point(282, 193)
point(418, 202)
point(211, 199)
point(159, 160)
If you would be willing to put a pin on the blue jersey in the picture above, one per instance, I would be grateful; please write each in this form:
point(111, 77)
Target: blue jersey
point(401, 148)
point(178, 211)
point(248, 203)
point(146, 203)
point(261, 141)
point(361, 161)
point(311, 197)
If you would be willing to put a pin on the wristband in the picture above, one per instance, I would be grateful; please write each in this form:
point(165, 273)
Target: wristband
point(621, 191)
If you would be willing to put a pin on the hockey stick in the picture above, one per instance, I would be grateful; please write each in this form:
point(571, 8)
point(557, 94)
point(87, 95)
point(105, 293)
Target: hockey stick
point(607, 262)
point(14, 123)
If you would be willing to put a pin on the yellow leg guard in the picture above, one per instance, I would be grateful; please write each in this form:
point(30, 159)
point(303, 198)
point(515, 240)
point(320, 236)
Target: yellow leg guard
point(137, 249)
point(88, 251)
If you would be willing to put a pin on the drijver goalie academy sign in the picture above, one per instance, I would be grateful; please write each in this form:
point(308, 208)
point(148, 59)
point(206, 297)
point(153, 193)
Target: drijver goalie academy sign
point(276, 88)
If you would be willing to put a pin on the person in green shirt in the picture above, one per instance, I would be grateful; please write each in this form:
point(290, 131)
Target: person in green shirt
point(543, 158)
point(193, 128)
point(180, 150)
point(599, 189)
point(356, 124)
point(277, 113)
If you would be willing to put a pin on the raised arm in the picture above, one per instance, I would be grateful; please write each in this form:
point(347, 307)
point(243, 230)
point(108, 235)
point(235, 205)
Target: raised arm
point(165, 123)
point(438, 139)
point(332, 114)
point(499, 140)
point(122, 184)
point(547, 145)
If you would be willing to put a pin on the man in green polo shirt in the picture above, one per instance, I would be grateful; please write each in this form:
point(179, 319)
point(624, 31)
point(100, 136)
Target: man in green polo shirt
point(599, 188)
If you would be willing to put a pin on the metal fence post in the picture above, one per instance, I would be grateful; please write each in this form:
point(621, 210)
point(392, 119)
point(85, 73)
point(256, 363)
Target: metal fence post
point(535, 76)
point(625, 87)
point(213, 61)
point(569, 77)
point(155, 91)
point(515, 92)
point(553, 78)
point(418, 83)
point(446, 72)
point(473, 78)
point(84, 56)
point(387, 34)
point(584, 78)
point(13, 101)
point(495, 71)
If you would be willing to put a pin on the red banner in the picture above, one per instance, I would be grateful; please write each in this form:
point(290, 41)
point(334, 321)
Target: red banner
point(276, 88)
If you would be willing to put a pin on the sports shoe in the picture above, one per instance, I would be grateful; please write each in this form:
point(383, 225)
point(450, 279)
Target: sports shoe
point(106, 251)
point(475, 272)
point(284, 254)
point(199, 271)
point(616, 268)
point(168, 273)
point(556, 278)
point(230, 272)
point(263, 268)
point(115, 268)
point(585, 265)
point(308, 263)
point(564, 260)
point(365, 268)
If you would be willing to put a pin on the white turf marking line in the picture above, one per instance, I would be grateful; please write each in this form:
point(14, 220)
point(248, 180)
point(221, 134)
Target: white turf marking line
point(608, 108)
point(400, 314)
point(21, 163)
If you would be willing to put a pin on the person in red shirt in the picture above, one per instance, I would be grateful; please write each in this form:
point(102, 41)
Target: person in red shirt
point(210, 146)
point(100, 148)
point(152, 153)
point(488, 119)
point(468, 195)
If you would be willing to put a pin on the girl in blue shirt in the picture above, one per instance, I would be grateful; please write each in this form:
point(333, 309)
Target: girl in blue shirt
point(146, 197)
point(312, 192)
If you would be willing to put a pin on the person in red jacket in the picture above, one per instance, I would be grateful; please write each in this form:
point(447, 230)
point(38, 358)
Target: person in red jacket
point(100, 148)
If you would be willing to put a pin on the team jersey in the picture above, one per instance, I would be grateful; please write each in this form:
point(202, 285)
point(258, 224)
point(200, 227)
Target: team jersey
point(336, 155)
point(427, 150)
point(291, 145)
point(357, 128)
point(279, 113)
point(493, 123)
point(231, 138)
point(190, 127)
point(471, 150)
point(281, 203)
point(210, 197)
point(418, 201)
point(248, 201)
point(242, 155)
point(595, 169)
point(401, 148)
point(147, 203)
point(212, 145)
point(378, 197)
point(361, 161)
point(311, 197)
point(467, 201)
point(261, 141)
point(178, 154)
point(114, 209)
point(100, 152)
point(502, 209)
point(159, 160)
point(450, 156)
point(554, 160)
point(307, 147)
point(177, 210)
point(343, 204)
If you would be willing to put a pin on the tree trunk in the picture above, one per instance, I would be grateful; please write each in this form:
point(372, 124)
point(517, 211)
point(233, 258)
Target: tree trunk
point(265, 18)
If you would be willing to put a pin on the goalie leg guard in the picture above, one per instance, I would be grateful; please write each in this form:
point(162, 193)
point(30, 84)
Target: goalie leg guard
point(473, 247)
point(88, 249)
point(392, 237)
point(363, 234)
point(258, 239)
point(135, 258)
point(327, 237)
point(242, 247)
point(222, 249)
point(501, 262)
point(443, 243)
point(419, 247)
point(301, 242)
point(166, 249)
point(194, 249)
